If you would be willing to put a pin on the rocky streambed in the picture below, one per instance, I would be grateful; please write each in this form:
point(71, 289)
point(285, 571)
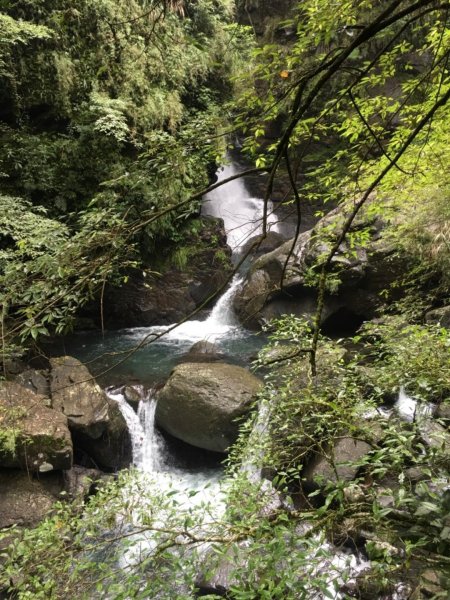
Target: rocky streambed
point(62, 434)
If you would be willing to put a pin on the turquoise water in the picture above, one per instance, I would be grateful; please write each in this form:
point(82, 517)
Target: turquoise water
point(116, 357)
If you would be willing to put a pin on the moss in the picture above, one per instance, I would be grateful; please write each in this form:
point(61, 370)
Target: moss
point(10, 429)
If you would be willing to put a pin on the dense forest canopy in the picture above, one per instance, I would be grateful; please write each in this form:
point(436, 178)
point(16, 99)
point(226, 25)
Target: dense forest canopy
point(111, 111)
point(114, 117)
point(110, 114)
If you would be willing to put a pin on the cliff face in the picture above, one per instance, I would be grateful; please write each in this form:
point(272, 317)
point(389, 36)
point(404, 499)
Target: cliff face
point(265, 16)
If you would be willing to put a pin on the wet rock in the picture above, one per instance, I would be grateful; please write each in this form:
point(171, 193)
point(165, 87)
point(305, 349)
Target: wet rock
point(76, 394)
point(278, 282)
point(200, 403)
point(203, 347)
point(133, 394)
point(339, 463)
point(80, 482)
point(203, 352)
point(112, 450)
point(263, 245)
point(96, 423)
point(26, 500)
point(439, 316)
point(36, 381)
point(39, 437)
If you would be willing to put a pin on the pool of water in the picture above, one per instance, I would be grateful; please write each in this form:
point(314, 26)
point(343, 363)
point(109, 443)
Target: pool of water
point(129, 355)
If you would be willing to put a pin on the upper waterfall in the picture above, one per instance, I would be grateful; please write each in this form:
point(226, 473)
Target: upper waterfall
point(241, 213)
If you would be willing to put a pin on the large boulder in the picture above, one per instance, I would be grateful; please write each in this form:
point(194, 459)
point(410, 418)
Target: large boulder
point(76, 394)
point(112, 450)
point(35, 437)
point(25, 500)
point(280, 282)
point(340, 463)
point(97, 425)
point(201, 402)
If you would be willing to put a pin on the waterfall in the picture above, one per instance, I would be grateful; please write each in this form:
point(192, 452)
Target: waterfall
point(242, 215)
point(222, 314)
point(220, 323)
point(200, 487)
point(410, 409)
point(146, 442)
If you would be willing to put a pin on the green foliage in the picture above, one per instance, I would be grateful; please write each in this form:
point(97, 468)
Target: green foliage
point(10, 430)
point(397, 502)
point(47, 272)
point(110, 113)
point(13, 35)
point(132, 98)
point(306, 413)
point(269, 551)
point(161, 548)
point(344, 101)
point(416, 357)
point(118, 73)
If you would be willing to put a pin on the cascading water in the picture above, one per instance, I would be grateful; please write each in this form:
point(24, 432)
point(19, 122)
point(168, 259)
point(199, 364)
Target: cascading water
point(220, 323)
point(242, 214)
point(410, 409)
point(192, 487)
point(156, 473)
point(147, 444)
point(187, 488)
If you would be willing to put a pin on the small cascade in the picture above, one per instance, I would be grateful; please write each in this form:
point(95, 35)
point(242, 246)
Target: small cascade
point(146, 442)
point(220, 323)
point(133, 422)
point(222, 314)
point(242, 215)
point(153, 450)
point(410, 409)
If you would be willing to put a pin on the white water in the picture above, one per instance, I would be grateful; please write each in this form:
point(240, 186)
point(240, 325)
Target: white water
point(242, 215)
point(410, 409)
point(187, 489)
point(147, 444)
point(220, 323)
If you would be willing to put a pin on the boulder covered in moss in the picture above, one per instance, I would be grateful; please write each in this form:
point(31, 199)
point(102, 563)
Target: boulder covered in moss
point(33, 436)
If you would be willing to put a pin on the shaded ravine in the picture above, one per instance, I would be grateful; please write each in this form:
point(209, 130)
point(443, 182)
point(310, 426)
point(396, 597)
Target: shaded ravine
point(157, 465)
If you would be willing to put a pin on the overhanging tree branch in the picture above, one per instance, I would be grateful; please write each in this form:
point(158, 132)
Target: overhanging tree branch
point(351, 217)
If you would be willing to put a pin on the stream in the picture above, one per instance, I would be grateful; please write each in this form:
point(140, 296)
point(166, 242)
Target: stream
point(192, 477)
